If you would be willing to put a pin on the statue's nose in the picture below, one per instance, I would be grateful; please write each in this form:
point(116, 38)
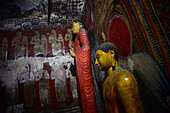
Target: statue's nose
point(96, 62)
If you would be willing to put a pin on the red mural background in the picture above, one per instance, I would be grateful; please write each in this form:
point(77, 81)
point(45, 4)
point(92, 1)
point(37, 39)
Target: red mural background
point(119, 34)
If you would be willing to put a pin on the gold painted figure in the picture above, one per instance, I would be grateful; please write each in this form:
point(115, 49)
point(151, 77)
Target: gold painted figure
point(120, 89)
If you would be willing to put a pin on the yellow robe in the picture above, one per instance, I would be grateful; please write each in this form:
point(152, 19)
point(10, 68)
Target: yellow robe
point(121, 95)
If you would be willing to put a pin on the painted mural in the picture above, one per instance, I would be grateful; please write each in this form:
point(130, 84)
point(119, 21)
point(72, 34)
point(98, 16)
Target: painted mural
point(37, 71)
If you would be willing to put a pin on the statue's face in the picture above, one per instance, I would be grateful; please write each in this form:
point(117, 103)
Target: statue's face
point(103, 60)
point(76, 27)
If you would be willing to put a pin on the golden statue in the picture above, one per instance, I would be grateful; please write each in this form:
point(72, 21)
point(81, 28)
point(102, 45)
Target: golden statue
point(120, 89)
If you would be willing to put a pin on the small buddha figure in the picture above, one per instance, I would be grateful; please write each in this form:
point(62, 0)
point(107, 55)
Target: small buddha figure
point(60, 41)
point(44, 43)
point(120, 89)
point(68, 37)
point(38, 43)
point(53, 40)
point(20, 42)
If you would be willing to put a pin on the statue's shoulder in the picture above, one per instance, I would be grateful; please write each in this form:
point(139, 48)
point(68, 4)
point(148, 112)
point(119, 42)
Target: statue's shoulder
point(123, 78)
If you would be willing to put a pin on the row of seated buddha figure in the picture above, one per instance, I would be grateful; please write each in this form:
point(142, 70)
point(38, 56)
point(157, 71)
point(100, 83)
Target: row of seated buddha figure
point(40, 43)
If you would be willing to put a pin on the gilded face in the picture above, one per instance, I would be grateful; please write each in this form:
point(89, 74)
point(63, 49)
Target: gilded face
point(103, 60)
point(76, 27)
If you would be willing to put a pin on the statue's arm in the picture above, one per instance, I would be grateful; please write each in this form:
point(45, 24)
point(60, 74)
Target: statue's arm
point(128, 94)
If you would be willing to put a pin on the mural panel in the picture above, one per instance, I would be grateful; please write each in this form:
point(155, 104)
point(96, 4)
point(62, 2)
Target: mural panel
point(36, 68)
point(35, 65)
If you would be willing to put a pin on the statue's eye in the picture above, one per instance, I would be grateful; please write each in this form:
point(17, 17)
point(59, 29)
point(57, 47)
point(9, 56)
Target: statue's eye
point(98, 56)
